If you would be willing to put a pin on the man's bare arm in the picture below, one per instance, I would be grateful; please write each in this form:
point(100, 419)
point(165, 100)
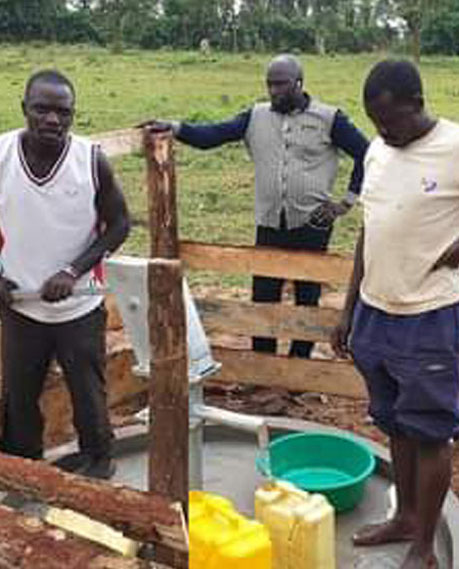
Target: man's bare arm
point(114, 228)
point(340, 334)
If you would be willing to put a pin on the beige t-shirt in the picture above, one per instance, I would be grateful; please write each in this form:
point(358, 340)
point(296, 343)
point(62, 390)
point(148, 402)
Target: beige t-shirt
point(410, 198)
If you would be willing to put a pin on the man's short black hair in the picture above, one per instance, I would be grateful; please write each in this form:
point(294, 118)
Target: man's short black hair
point(401, 78)
point(48, 76)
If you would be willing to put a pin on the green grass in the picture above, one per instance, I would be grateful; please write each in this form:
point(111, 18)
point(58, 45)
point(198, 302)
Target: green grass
point(215, 187)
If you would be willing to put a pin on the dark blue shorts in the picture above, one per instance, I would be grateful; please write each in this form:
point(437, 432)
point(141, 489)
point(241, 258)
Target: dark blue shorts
point(411, 367)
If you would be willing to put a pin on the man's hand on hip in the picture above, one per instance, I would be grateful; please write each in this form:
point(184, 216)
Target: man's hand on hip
point(6, 286)
point(449, 258)
point(326, 213)
point(58, 287)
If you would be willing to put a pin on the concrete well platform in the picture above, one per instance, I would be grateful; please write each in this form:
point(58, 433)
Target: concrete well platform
point(229, 470)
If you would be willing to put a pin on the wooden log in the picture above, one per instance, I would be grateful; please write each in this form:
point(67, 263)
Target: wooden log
point(269, 262)
point(168, 453)
point(144, 516)
point(162, 202)
point(294, 374)
point(169, 393)
point(225, 316)
point(28, 543)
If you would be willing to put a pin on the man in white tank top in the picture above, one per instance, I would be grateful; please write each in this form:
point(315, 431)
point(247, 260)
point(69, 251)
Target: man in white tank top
point(61, 212)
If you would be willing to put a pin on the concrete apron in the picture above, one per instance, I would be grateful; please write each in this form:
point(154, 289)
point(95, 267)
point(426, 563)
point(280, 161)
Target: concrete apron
point(229, 470)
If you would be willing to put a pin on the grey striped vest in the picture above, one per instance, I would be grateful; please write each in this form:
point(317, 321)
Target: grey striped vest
point(295, 161)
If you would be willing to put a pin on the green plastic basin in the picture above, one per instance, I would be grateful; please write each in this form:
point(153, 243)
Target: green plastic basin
point(332, 464)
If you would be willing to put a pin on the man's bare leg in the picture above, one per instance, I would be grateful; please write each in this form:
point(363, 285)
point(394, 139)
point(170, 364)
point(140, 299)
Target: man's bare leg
point(402, 527)
point(433, 481)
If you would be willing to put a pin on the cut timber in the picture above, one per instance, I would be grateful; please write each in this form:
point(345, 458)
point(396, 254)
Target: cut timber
point(143, 516)
point(169, 401)
point(91, 530)
point(222, 316)
point(168, 460)
point(268, 262)
point(294, 374)
point(162, 200)
point(168, 449)
point(28, 543)
point(119, 142)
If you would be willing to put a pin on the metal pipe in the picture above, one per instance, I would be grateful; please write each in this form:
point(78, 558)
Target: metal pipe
point(25, 295)
point(240, 421)
point(195, 445)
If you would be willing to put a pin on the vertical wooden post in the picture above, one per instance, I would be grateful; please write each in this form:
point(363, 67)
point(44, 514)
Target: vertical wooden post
point(168, 462)
point(162, 201)
point(169, 381)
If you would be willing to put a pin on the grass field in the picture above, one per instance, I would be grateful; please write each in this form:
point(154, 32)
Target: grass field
point(215, 187)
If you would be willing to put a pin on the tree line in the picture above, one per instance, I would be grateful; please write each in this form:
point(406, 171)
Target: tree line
point(313, 26)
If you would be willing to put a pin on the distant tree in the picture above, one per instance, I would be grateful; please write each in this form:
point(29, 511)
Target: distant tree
point(115, 16)
point(252, 18)
point(415, 14)
point(325, 18)
point(29, 19)
point(229, 25)
point(308, 25)
point(441, 32)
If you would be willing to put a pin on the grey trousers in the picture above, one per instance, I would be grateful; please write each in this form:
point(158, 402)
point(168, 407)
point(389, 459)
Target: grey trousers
point(78, 346)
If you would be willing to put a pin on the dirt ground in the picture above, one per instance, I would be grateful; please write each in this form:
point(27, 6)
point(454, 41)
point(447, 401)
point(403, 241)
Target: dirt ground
point(341, 412)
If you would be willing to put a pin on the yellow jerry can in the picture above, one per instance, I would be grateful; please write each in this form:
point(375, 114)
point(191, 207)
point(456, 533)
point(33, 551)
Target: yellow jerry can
point(221, 538)
point(301, 526)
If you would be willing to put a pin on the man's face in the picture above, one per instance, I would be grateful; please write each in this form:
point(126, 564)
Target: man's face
point(283, 87)
point(49, 110)
point(395, 121)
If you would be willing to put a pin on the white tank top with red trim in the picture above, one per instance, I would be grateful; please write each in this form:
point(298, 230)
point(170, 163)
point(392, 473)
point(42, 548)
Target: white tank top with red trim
point(46, 223)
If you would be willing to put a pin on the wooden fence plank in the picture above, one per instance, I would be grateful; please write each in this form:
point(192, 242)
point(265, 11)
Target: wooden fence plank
point(227, 316)
point(119, 142)
point(266, 261)
point(295, 374)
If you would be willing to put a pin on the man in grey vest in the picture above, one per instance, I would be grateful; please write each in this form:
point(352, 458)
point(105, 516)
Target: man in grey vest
point(294, 142)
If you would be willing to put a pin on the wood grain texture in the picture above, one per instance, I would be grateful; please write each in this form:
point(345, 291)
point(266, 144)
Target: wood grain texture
point(280, 320)
point(144, 516)
point(267, 261)
point(294, 374)
point(169, 381)
point(162, 200)
point(28, 543)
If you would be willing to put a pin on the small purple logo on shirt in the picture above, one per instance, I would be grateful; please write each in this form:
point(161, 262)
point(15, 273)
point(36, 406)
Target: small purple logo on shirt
point(428, 185)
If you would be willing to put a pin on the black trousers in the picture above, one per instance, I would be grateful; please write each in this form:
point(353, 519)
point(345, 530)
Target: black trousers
point(28, 347)
point(267, 289)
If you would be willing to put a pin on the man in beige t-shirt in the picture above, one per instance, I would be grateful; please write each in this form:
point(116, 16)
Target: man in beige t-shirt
point(402, 307)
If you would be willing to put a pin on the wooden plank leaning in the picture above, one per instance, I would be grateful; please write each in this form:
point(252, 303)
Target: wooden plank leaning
point(28, 543)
